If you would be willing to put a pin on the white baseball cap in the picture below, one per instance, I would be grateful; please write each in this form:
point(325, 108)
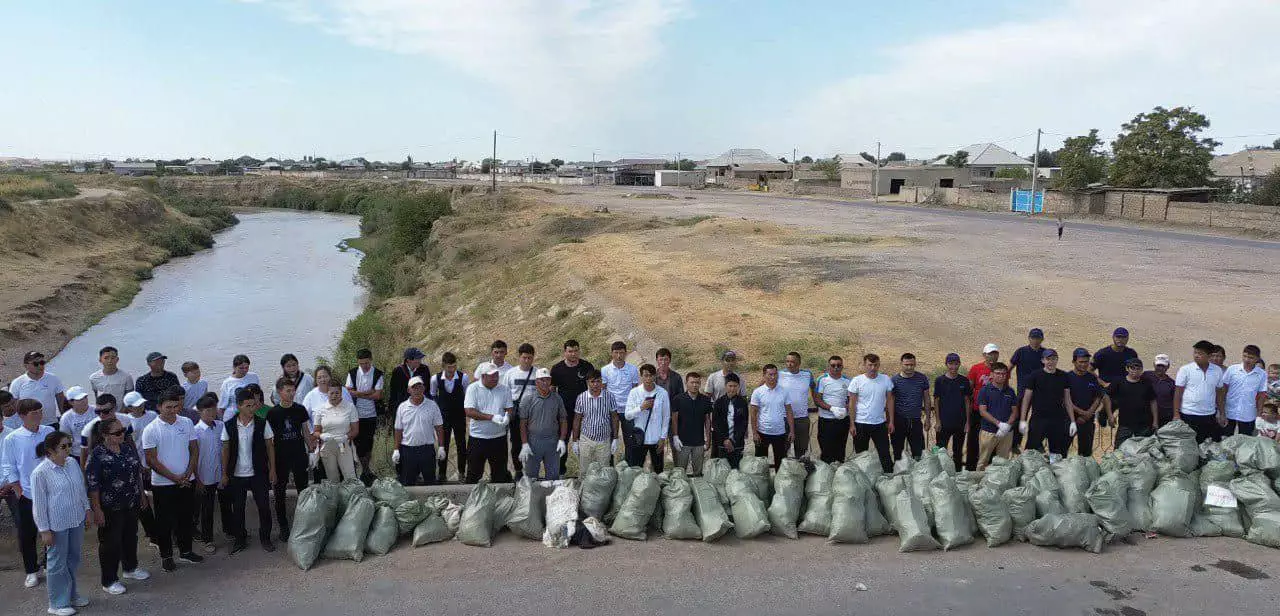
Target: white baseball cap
point(1162, 360)
point(417, 380)
point(487, 368)
point(134, 398)
point(76, 393)
point(990, 348)
point(542, 373)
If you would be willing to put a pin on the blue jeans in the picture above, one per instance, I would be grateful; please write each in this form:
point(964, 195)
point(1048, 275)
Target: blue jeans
point(63, 563)
point(545, 459)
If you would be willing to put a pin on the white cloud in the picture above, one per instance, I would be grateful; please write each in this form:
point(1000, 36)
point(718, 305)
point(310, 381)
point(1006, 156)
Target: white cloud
point(1087, 64)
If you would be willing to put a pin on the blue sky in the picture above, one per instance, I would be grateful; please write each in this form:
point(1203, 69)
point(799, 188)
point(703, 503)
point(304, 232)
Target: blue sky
point(622, 78)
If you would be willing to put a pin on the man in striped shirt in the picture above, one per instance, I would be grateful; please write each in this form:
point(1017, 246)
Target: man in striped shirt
point(595, 424)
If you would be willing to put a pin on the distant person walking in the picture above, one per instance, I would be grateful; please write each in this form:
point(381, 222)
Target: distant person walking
point(1059, 228)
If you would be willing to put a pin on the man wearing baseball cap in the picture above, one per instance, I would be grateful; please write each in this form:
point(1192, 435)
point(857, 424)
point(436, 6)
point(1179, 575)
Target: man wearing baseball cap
point(488, 404)
point(41, 385)
point(979, 376)
point(714, 385)
point(418, 426)
point(1047, 404)
point(1087, 399)
point(1163, 385)
point(412, 366)
point(1026, 362)
point(544, 428)
point(1134, 412)
point(953, 398)
point(156, 381)
point(1111, 359)
point(74, 420)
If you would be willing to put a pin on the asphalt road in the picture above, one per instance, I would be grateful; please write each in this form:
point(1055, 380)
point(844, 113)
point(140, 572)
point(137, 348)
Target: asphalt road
point(768, 576)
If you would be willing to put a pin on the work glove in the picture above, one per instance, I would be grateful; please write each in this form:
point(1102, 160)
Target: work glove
point(560, 447)
point(395, 456)
point(676, 444)
point(613, 446)
point(501, 419)
point(525, 452)
point(442, 454)
point(1003, 429)
point(631, 414)
point(840, 412)
point(575, 448)
point(1071, 430)
point(1022, 427)
point(313, 458)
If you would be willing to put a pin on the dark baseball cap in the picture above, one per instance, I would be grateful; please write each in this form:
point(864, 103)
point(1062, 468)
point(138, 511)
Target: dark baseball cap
point(32, 356)
point(413, 353)
point(1080, 352)
point(1048, 353)
point(1120, 331)
point(1036, 332)
point(154, 355)
point(952, 357)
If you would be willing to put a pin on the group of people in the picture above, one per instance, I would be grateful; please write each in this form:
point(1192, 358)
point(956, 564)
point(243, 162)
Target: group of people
point(164, 453)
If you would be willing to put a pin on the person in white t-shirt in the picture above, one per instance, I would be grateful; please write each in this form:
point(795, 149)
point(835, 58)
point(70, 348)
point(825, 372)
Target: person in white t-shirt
point(365, 384)
point(240, 376)
point(497, 357)
point(40, 385)
point(488, 405)
point(520, 383)
point(110, 379)
point(648, 411)
point(74, 420)
point(800, 384)
point(833, 415)
point(1198, 397)
point(1246, 389)
point(772, 420)
point(319, 395)
point(419, 428)
point(173, 456)
point(619, 379)
point(870, 393)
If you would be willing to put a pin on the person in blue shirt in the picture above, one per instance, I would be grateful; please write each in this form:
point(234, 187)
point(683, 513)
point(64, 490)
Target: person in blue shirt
point(998, 406)
point(1087, 398)
point(1026, 361)
point(952, 399)
point(910, 408)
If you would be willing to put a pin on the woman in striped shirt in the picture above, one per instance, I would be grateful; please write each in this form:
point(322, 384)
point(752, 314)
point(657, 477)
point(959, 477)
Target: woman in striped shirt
point(60, 504)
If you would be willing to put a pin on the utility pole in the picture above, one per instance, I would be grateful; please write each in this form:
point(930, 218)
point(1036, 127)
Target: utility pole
point(493, 165)
point(593, 168)
point(1035, 172)
point(794, 165)
point(875, 176)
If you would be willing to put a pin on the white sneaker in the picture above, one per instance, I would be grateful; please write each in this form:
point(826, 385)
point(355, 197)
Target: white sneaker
point(31, 581)
point(136, 574)
point(80, 602)
point(63, 611)
point(116, 588)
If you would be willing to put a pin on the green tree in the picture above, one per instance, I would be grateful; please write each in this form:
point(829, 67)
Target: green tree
point(1048, 158)
point(806, 160)
point(684, 164)
point(959, 159)
point(227, 167)
point(1268, 192)
point(867, 157)
point(1014, 173)
point(1163, 149)
point(1275, 145)
point(487, 165)
point(1083, 162)
point(895, 157)
point(829, 167)
point(538, 166)
point(557, 163)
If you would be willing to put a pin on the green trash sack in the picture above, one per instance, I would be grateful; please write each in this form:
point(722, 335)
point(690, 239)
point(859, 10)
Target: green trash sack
point(436, 503)
point(952, 517)
point(877, 524)
point(432, 529)
point(945, 462)
point(1111, 461)
point(788, 498)
point(1178, 442)
point(597, 490)
point(384, 531)
point(749, 516)
point(1067, 530)
point(848, 521)
point(528, 512)
point(1073, 482)
point(887, 488)
point(1217, 475)
point(621, 489)
point(475, 527)
point(1173, 503)
point(914, 534)
point(409, 515)
point(756, 470)
point(968, 481)
point(1108, 498)
point(347, 541)
point(336, 504)
point(388, 490)
point(1031, 461)
point(1258, 454)
point(1142, 476)
point(310, 525)
point(1260, 507)
point(713, 520)
point(1021, 502)
point(346, 491)
point(716, 471)
point(637, 508)
point(1139, 446)
point(904, 464)
point(1000, 477)
point(678, 521)
point(869, 463)
point(992, 515)
point(1049, 502)
point(817, 497)
point(923, 472)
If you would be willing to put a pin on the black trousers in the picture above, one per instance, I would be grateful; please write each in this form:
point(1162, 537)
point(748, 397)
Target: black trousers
point(415, 462)
point(874, 433)
point(364, 440)
point(734, 457)
point(487, 450)
point(1238, 427)
point(952, 437)
point(778, 442)
point(455, 429)
point(833, 437)
point(208, 495)
point(635, 456)
point(27, 534)
point(907, 432)
point(513, 435)
point(1084, 437)
point(288, 464)
point(117, 544)
point(1206, 427)
point(173, 505)
point(147, 515)
point(239, 488)
point(1052, 430)
point(971, 441)
point(1124, 433)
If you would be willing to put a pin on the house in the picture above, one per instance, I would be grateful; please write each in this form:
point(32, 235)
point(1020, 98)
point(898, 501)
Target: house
point(351, 164)
point(891, 180)
point(747, 163)
point(985, 159)
point(134, 168)
point(513, 167)
point(271, 165)
point(637, 171)
point(202, 166)
point(680, 179)
point(1246, 168)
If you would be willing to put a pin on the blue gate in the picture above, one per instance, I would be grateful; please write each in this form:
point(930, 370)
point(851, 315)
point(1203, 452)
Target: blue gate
point(1020, 201)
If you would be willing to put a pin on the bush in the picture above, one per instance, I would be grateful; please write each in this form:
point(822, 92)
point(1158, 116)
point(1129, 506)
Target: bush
point(180, 239)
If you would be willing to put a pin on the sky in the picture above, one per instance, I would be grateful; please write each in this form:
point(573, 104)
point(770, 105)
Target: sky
point(569, 79)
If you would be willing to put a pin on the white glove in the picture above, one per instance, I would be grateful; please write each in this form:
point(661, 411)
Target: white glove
point(676, 444)
point(1071, 430)
point(560, 449)
point(395, 456)
point(313, 458)
point(840, 412)
point(613, 446)
point(442, 454)
point(325, 437)
point(1022, 427)
point(501, 419)
point(1002, 429)
point(525, 452)
point(575, 448)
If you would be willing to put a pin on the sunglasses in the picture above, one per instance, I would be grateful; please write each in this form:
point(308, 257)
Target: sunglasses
point(116, 433)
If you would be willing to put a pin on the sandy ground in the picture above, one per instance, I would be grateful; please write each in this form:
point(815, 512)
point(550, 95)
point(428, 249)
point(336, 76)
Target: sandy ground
point(768, 575)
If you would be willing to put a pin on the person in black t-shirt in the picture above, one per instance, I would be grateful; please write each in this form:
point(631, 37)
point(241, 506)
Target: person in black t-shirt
point(569, 378)
point(1047, 399)
point(1135, 411)
point(291, 425)
point(1087, 400)
point(952, 397)
point(690, 425)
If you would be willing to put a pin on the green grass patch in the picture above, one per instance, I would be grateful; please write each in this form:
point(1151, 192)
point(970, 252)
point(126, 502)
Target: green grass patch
point(16, 187)
point(689, 221)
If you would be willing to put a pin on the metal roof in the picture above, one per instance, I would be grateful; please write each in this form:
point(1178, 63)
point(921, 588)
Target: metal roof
point(990, 155)
point(739, 157)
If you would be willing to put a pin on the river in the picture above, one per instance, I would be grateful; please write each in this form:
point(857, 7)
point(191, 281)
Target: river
point(275, 283)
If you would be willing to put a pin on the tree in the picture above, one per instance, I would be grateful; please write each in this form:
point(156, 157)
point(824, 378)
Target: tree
point(958, 160)
point(557, 163)
point(1163, 149)
point(227, 167)
point(683, 164)
point(1275, 145)
point(487, 165)
point(1014, 173)
point(830, 167)
point(783, 160)
point(1048, 159)
point(895, 157)
point(806, 160)
point(869, 158)
point(1268, 192)
point(538, 166)
point(407, 164)
point(1083, 162)
point(248, 161)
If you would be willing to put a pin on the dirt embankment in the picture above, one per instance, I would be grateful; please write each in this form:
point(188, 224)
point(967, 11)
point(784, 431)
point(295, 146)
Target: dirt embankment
point(65, 263)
